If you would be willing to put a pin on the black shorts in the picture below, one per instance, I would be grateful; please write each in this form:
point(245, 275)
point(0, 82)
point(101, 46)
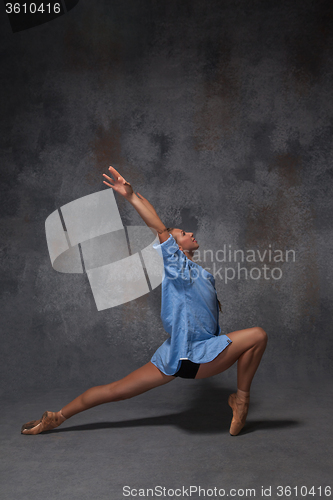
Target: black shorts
point(187, 369)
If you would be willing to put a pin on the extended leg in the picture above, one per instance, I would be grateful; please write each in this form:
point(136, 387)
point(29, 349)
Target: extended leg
point(145, 378)
point(247, 348)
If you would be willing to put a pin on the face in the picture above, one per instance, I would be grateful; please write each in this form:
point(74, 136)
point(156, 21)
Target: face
point(186, 241)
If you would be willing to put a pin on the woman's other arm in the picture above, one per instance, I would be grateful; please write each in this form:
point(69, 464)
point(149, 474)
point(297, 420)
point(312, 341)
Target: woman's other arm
point(141, 205)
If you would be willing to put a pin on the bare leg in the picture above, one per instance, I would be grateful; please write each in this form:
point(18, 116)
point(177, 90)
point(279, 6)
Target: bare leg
point(145, 378)
point(247, 349)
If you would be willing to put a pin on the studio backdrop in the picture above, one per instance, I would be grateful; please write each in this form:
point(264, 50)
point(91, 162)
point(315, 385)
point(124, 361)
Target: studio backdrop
point(220, 114)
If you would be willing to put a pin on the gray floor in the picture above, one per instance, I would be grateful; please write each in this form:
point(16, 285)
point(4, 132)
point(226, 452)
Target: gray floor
point(174, 436)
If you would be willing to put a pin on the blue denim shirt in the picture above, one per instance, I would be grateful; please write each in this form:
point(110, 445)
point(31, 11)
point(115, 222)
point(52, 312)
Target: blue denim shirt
point(189, 312)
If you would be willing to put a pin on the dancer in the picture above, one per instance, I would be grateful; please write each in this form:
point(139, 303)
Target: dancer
point(190, 308)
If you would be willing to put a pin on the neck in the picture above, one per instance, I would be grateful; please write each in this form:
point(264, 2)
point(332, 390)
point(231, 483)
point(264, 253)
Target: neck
point(188, 254)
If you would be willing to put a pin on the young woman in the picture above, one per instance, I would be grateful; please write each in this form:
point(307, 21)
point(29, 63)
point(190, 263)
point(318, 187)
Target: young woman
point(189, 313)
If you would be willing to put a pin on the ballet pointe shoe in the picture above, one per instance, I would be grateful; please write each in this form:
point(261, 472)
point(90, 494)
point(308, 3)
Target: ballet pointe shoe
point(239, 413)
point(50, 420)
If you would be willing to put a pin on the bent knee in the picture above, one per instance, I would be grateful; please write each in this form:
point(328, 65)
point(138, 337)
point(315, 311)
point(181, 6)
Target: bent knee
point(261, 335)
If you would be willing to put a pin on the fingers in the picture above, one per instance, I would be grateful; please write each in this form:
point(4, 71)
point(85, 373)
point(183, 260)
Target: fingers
point(109, 178)
point(108, 184)
point(114, 173)
point(116, 181)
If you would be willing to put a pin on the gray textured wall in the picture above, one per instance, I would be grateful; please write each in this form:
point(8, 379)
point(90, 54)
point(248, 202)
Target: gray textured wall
point(220, 113)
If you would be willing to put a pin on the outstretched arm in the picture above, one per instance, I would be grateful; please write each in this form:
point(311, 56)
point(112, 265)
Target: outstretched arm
point(146, 202)
point(141, 205)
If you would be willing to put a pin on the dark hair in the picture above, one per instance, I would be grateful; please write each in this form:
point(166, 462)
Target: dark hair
point(169, 229)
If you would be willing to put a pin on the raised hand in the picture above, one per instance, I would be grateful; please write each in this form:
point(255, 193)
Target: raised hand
point(145, 209)
point(118, 183)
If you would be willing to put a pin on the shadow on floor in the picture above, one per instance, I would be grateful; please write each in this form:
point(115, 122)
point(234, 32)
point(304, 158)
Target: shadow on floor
point(209, 413)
